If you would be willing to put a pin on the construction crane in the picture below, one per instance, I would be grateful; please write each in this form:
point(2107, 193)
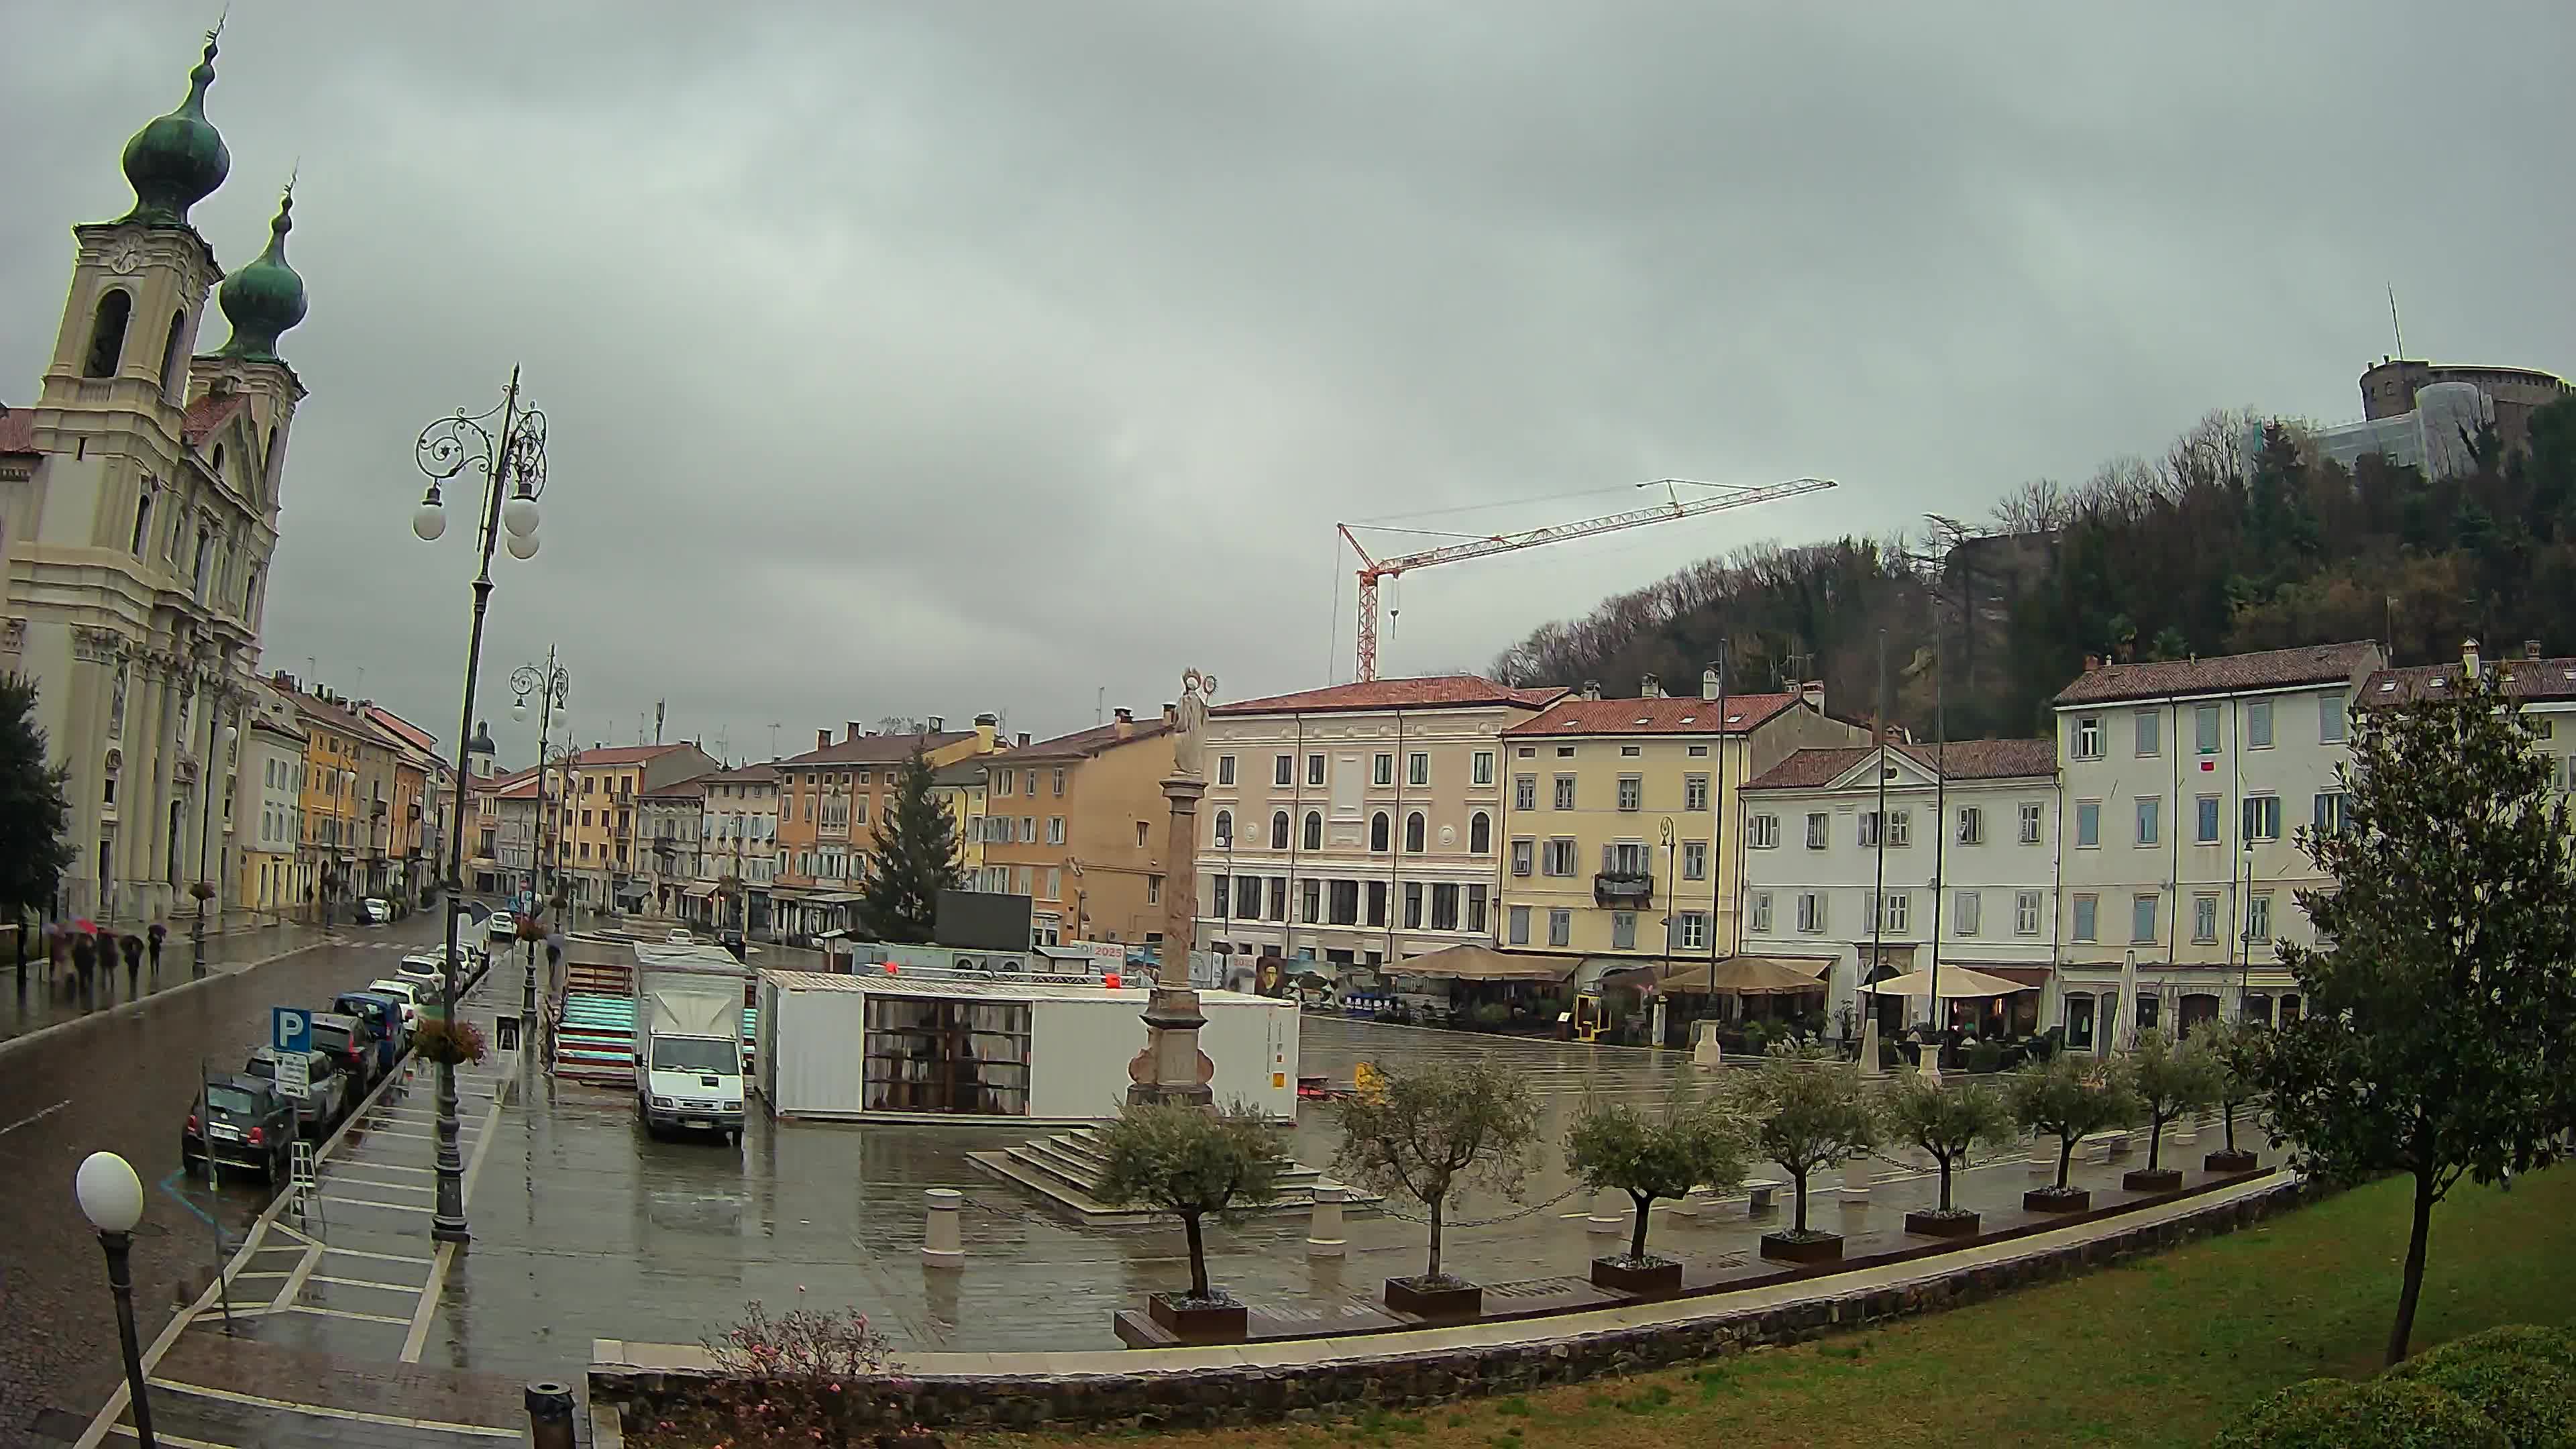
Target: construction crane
point(1374, 571)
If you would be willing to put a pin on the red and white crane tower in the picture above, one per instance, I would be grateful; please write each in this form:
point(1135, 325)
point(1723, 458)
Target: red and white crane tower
point(1374, 571)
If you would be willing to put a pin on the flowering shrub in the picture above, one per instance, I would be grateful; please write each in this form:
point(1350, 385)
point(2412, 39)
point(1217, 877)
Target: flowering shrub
point(453, 1042)
point(806, 1377)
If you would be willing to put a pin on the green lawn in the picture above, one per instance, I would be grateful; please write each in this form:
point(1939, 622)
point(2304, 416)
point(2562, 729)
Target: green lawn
point(2161, 1351)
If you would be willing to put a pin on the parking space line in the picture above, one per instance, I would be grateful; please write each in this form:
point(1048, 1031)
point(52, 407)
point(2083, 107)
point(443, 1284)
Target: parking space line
point(380, 1257)
point(295, 1281)
point(391, 1207)
point(387, 1167)
point(342, 1179)
point(418, 1337)
point(164, 1436)
point(322, 1312)
point(367, 1283)
point(328, 1411)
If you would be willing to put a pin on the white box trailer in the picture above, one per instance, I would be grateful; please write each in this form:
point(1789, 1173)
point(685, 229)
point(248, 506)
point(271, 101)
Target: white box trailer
point(907, 1049)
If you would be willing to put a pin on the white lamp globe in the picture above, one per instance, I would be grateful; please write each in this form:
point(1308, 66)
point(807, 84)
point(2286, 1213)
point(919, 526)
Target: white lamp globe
point(523, 545)
point(519, 710)
point(519, 515)
point(111, 1196)
point(428, 521)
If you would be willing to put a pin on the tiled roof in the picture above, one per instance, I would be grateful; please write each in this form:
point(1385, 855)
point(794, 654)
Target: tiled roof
point(693, 788)
point(1959, 760)
point(598, 756)
point(876, 749)
point(968, 771)
point(2269, 669)
point(760, 774)
point(1661, 716)
point(412, 734)
point(2524, 679)
point(1432, 692)
point(17, 430)
point(1083, 744)
point(209, 413)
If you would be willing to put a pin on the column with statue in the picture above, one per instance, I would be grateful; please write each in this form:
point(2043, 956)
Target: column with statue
point(1171, 1068)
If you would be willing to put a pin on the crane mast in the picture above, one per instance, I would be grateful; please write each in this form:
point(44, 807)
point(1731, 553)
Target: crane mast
point(1374, 571)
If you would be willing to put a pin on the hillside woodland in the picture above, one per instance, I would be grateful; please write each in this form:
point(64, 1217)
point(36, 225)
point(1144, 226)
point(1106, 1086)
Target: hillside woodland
point(2202, 551)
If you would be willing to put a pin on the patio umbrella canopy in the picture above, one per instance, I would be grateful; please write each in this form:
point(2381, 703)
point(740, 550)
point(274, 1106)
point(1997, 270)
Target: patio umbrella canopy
point(1480, 963)
point(1739, 976)
point(1958, 983)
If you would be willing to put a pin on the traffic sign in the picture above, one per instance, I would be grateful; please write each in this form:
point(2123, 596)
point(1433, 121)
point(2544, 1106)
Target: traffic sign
point(290, 1030)
point(293, 1078)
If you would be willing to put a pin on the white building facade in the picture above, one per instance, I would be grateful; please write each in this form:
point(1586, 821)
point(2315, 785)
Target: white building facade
point(1288, 841)
point(268, 810)
point(1961, 869)
point(738, 854)
point(2185, 782)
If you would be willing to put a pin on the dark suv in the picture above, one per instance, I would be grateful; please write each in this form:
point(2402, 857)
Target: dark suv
point(243, 1123)
point(352, 1050)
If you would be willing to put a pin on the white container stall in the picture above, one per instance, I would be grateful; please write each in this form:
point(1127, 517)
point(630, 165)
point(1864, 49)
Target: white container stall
point(908, 1049)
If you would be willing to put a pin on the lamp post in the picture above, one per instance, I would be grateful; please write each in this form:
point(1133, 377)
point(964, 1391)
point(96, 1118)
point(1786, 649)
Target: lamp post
point(513, 464)
point(552, 685)
point(111, 1197)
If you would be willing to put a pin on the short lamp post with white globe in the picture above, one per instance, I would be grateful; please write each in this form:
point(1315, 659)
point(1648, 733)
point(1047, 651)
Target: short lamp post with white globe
point(512, 461)
point(111, 1197)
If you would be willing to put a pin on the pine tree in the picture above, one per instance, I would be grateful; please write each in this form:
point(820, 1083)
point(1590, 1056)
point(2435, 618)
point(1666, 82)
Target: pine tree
point(35, 818)
point(916, 859)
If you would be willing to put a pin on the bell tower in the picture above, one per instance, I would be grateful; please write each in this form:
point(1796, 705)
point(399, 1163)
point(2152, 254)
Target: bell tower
point(119, 375)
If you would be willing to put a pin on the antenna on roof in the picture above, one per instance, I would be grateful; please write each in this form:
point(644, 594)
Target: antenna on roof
point(2393, 325)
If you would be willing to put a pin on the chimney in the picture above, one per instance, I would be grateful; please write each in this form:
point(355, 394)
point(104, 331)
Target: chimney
point(2469, 658)
point(939, 724)
point(1708, 683)
point(1021, 740)
point(1813, 692)
point(851, 731)
point(822, 739)
point(1592, 689)
point(1650, 687)
point(987, 729)
point(2092, 663)
point(2530, 648)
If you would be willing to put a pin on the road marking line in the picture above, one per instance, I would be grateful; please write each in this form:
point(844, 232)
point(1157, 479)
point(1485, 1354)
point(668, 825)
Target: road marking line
point(160, 1436)
point(295, 1281)
point(338, 1179)
point(327, 1411)
point(239, 1277)
point(380, 1257)
point(367, 1283)
point(418, 1337)
point(340, 1313)
point(391, 1207)
point(390, 1167)
point(35, 1117)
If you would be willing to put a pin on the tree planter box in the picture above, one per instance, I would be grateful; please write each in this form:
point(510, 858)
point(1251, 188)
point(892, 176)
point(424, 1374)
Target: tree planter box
point(2050, 1200)
point(2152, 1179)
point(1437, 1300)
point(1942, 1225)
point(1194, 1322)
point(1648, 1280)
point(2223, 1161)
point(1782, 1248)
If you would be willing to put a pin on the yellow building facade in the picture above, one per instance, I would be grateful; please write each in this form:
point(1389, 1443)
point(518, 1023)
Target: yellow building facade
point(1621, 825)
point(1079, 825)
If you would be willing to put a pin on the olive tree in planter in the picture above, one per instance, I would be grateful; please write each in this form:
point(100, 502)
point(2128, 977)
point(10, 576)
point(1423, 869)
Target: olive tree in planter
point(1692, 1143)
point(1192, 1164)
point(1948, 1123)
point(1811, 1113)
point(2169, 1080)
point(2069, 1098)
point(2236, 1051)
point(1427, 1131)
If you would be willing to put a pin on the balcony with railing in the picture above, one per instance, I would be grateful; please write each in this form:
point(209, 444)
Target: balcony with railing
point(1621, 888)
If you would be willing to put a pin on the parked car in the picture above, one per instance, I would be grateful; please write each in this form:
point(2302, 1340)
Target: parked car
point(500, 927)
point(327, 1097)
point(409, 993)
point(376, 910)
point(422, 969)
point(345, 1040)
point(382, 1016)
point(679, 936)
point(242, 1123)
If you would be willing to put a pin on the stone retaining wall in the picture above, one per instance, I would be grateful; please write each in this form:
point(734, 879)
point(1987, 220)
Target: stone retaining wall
point(1251, 1395)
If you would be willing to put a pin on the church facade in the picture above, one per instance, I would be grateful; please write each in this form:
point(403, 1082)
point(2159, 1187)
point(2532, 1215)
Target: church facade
point(138, 514)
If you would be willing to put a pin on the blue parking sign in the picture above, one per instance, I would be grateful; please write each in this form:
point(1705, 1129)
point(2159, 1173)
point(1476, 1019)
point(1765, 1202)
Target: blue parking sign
point(290, 1030)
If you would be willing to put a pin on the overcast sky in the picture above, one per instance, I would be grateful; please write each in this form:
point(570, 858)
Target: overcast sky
point(934, 358)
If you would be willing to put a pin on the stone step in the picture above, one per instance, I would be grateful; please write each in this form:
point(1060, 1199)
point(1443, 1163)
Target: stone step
point(1065, 1170)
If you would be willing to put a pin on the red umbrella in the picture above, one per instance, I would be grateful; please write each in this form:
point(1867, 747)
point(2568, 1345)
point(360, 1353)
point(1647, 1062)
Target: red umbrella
point(85, 926)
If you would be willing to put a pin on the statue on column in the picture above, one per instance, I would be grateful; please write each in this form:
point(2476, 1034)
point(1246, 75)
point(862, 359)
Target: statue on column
point(1189, 731)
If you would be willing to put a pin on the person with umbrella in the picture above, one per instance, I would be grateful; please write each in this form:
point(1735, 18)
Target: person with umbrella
point(153, 939)
point(132, 945)
point(85, 954)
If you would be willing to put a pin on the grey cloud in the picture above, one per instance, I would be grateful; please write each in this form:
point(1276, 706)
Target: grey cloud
point(928, 359)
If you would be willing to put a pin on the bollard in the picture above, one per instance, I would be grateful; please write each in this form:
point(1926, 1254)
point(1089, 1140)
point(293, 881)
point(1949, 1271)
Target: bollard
point(941, 1244)
point(1324, 1227)
point(1605, 1215)
point(550, 1410)
point(2188, 1131)
point(1856, 1177)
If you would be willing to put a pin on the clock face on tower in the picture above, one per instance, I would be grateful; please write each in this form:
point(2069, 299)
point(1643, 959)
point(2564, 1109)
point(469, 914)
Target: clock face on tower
point(125, 256)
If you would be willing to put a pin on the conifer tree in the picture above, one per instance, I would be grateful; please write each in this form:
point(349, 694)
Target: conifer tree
point(916, 859)
point(35, 818)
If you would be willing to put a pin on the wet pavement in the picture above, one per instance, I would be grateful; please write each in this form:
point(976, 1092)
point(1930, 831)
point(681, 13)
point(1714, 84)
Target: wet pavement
point(122, 1080)
point(35, 999)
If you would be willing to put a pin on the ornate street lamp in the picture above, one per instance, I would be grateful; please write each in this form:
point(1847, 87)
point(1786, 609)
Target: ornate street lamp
point(507, 445)
point(111, 1197)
